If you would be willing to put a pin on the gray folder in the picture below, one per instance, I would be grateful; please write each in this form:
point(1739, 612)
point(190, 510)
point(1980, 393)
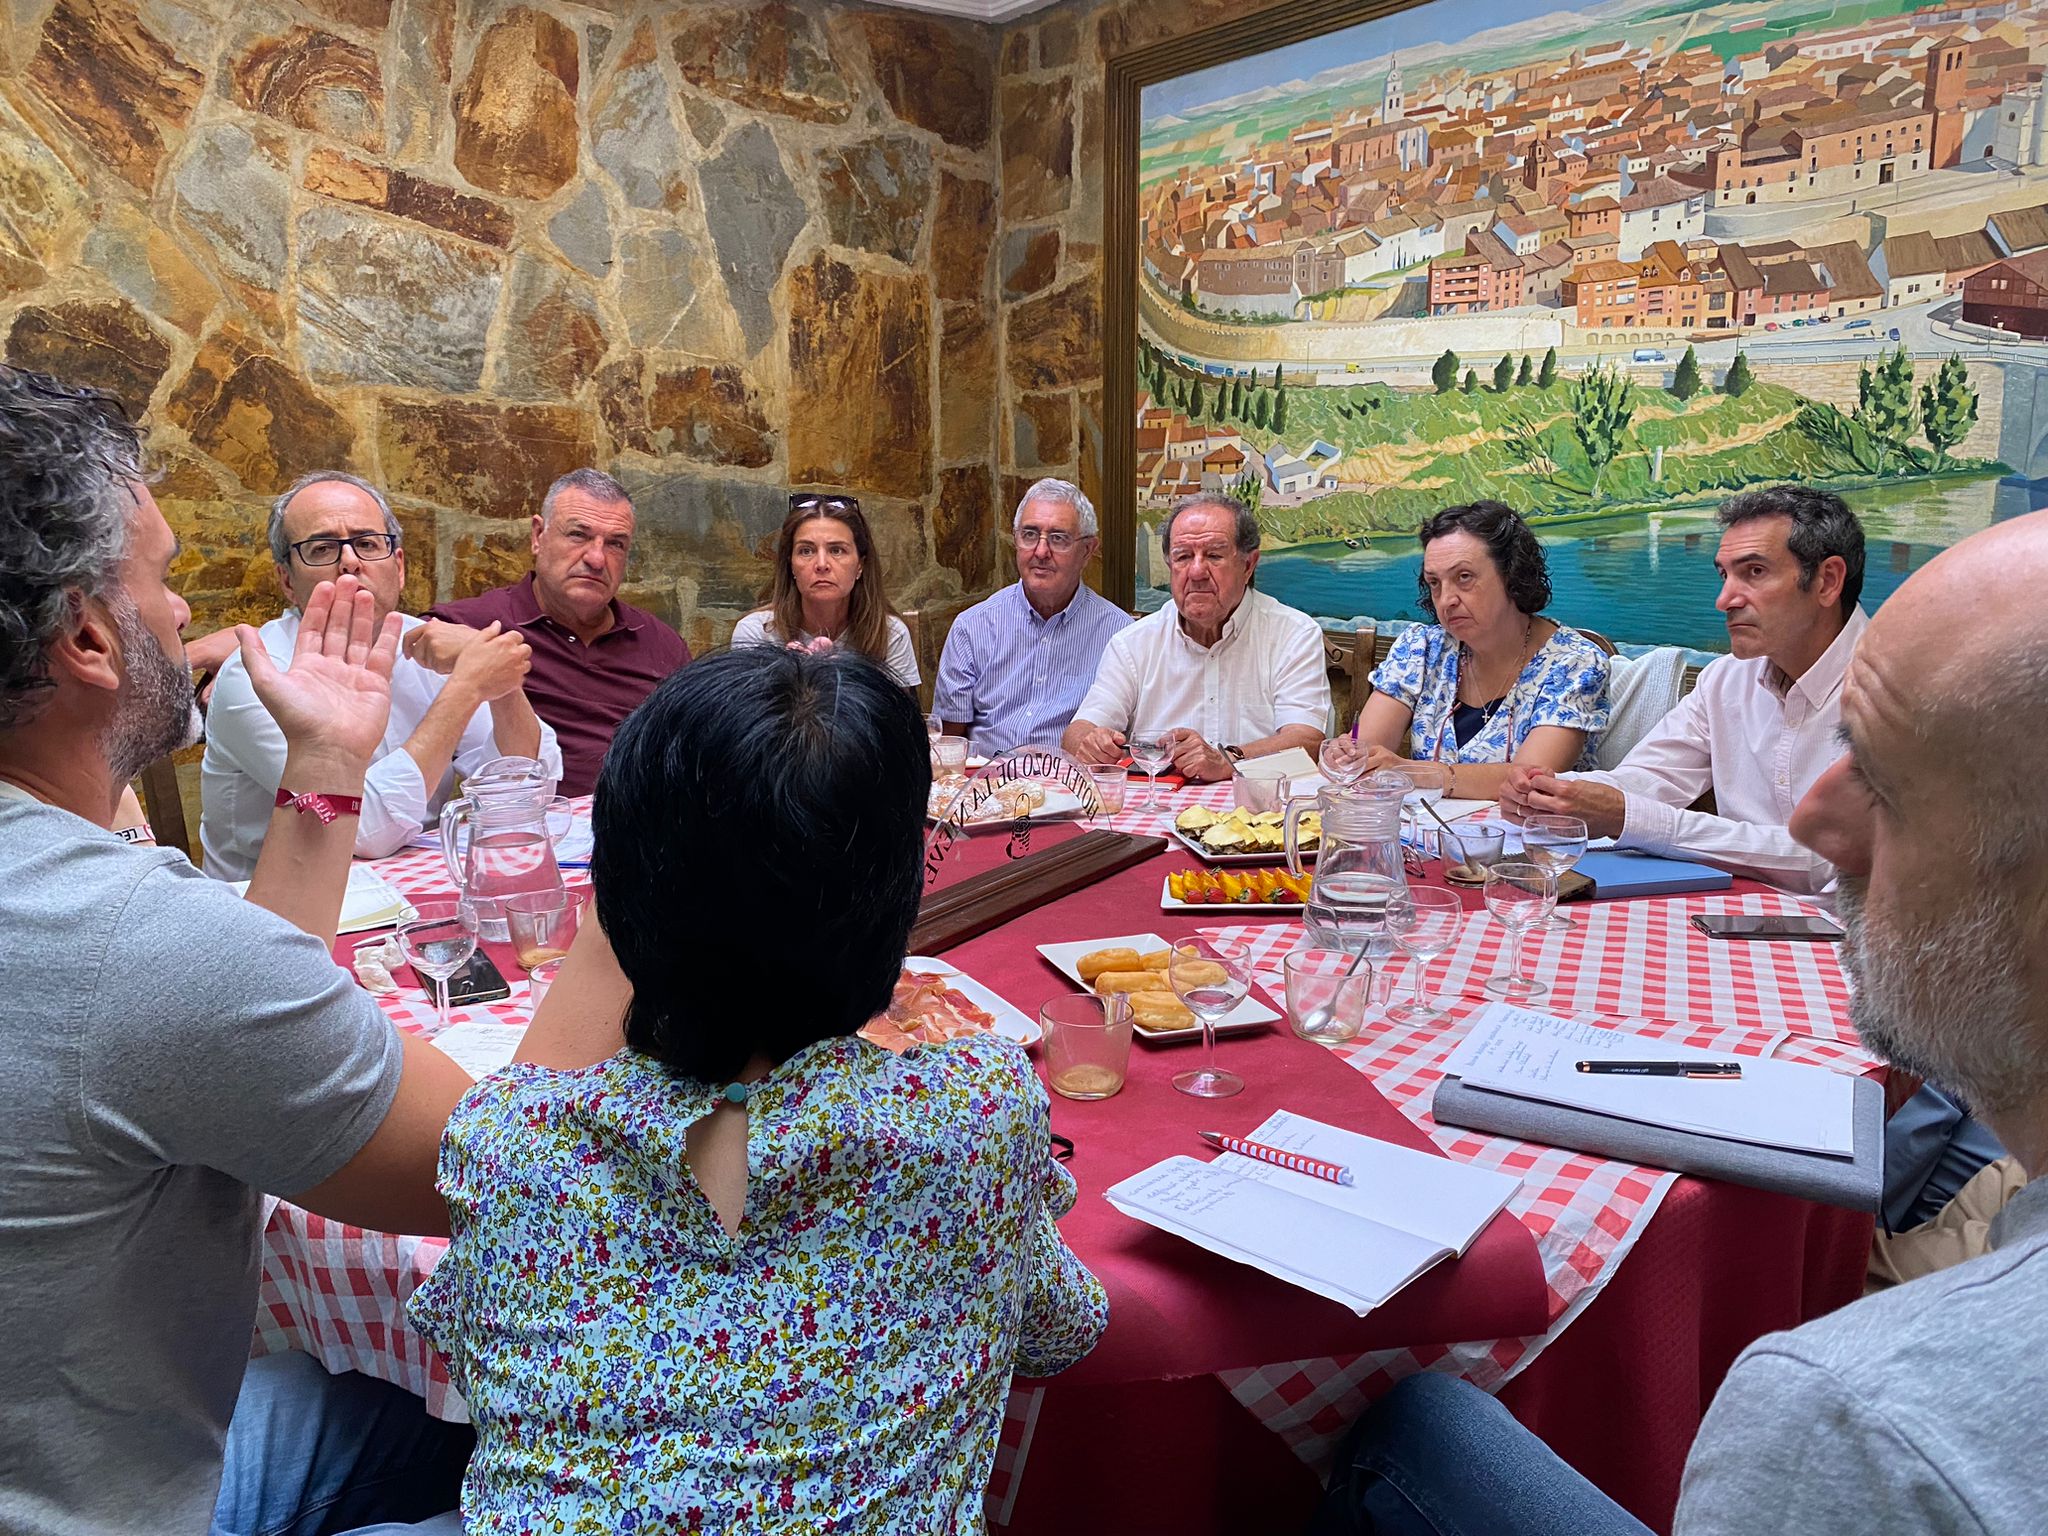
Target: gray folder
point(1855, 1182)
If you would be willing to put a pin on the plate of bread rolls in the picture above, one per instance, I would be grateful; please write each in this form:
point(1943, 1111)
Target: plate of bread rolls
point(1135, 965)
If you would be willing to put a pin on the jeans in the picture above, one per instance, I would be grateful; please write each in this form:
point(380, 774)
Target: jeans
point(315, 1454)
point(1438, 1457)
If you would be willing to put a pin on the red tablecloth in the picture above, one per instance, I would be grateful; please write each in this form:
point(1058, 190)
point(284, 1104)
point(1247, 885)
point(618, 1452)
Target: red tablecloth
point(1619, 1393)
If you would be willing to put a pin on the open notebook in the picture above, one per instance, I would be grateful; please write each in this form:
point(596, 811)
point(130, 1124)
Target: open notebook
point(370, 901)
point(1404, 1212)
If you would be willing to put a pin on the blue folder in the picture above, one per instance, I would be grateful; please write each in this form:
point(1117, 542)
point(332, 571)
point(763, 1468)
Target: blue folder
point(1617, 873)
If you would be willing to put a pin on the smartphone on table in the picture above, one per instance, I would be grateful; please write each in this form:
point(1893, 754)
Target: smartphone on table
point(479, 981)
point(1809, 927)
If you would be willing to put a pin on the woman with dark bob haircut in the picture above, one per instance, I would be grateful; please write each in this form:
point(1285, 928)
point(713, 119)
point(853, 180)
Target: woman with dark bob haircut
point(1492, 681)
point(718, 1259)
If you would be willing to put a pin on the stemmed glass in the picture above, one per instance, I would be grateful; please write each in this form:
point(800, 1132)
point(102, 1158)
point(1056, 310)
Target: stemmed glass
point(1556, 843)
point(1211, 977)
point(934, 727)
point(438, 942)
point(1150, 753)
point(1520, 896)
point(1425, 921)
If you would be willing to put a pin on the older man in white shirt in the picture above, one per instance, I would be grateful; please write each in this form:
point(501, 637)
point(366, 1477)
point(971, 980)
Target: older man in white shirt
point(1223, 671)
point(1760, 726)
point(328, 525)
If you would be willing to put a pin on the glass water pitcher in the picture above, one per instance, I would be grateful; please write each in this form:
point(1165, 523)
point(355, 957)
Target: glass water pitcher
point(1358, 865)
point(495, 838)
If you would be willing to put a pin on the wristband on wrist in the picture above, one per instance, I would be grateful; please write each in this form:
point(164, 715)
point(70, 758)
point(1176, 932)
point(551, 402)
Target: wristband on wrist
point(326, 807)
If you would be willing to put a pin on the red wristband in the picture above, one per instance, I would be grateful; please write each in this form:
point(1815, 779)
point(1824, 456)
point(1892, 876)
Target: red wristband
point(326, 807)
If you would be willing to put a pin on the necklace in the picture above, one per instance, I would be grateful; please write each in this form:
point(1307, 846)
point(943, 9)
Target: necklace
point(1489, 710)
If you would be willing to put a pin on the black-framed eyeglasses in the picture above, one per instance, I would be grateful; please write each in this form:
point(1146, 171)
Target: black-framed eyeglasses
point(327, 551)
point(811, 501)
point(1062, 1148)
point(1058, 543)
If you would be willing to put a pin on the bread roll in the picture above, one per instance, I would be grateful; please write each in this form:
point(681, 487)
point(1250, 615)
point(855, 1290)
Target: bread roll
point(1199, 973)
point(1160, 1011)
point(1095, 963)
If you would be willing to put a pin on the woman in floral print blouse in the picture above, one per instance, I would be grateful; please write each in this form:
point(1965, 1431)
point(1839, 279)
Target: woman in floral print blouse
point(1492, 681)
point(750, 1272)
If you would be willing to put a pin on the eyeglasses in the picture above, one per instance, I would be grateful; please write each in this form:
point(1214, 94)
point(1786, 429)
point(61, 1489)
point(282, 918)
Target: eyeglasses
point(805, 501)
point(1058, 543)
point(327, 551)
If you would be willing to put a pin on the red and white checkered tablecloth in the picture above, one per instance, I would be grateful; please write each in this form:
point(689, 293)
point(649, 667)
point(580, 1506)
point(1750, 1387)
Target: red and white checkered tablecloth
point(339, 1293)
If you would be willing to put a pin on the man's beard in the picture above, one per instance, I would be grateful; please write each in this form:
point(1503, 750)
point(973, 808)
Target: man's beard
point(1945, 999)
point(156, 711)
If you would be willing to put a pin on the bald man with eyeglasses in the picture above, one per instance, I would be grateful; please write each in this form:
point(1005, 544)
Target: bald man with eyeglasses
point(328, 525)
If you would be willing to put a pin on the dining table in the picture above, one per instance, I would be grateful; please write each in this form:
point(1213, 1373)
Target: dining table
point(1602, 1307)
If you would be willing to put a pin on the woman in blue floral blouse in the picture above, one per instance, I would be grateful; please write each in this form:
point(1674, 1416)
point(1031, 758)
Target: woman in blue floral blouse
point(1493, 681)
point(750, 1272)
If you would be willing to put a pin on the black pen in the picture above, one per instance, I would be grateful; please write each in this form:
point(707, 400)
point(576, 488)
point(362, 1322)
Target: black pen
point(1723, 1071)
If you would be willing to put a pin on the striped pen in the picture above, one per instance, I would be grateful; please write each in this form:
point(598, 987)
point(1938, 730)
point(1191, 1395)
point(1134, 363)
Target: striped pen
point(1315, 1168)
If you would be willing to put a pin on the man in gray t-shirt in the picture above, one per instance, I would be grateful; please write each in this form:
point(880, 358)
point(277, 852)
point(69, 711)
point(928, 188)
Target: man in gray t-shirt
point(171, 1049)
point(1916, 1410)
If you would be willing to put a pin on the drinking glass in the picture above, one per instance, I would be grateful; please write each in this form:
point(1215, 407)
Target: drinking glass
point(1556, 843)
point(1427, 783)
point(1478, 848)
point(538, 980)
point(1151, 753)
point(1520, 895)
point(1087, 1044)
point(934, 727)
point(438, 943)
point(1343, 759)
point(949, 757)
point(1111, 783)
point(1211, 977)
point(542, 924)
point(1425, 921)
point(1317, 980)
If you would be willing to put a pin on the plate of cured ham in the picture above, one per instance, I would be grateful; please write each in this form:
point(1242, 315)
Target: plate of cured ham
point(935, 1002)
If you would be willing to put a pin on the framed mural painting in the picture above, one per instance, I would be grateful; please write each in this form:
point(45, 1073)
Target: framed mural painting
point(1371, 260)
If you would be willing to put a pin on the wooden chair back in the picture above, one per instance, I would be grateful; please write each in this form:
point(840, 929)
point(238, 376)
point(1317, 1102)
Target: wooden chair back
point(164, 804)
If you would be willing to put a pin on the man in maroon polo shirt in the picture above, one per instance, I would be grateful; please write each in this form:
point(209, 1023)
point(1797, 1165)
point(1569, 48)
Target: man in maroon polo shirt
point(594, 657)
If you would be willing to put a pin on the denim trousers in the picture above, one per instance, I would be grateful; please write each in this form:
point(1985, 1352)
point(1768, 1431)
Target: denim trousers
point(310, 1453)
point(1438, 1457)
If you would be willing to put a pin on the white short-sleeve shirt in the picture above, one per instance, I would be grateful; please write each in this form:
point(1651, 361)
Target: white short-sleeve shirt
point(758, 628)
point(1265, 671)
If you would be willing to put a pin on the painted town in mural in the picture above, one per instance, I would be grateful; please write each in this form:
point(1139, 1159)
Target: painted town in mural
point(1608, 265)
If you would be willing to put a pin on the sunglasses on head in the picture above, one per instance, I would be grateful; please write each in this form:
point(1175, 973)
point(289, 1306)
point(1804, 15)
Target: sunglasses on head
point(811, 501)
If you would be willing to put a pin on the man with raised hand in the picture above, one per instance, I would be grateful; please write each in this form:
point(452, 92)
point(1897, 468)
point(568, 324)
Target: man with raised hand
point(329, 525)
point(174, 1051)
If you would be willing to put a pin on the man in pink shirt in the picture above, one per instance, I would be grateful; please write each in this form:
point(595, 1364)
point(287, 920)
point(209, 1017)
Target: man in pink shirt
point(1760, 726)
point(594, 657)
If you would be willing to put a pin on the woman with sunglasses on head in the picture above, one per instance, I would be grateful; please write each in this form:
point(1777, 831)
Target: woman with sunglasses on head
point(1492, 681)
point(828, 587)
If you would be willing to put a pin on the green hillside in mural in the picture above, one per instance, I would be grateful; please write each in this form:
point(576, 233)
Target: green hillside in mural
point(1563, 445)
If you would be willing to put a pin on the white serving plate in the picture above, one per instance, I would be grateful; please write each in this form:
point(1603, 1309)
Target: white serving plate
point(1168, 902)
point(1202, 853)
point(1061, 804)
point(1010, 1022)
point(1249, 1014)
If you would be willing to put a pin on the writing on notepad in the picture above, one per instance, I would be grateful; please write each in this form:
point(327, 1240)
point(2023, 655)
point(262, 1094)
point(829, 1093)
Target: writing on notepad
point(1773, 1104)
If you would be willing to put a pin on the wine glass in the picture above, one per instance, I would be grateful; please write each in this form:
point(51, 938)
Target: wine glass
point(1520, 895)
point(438, 942)
point(1150, 753)
point(1425, 922)
point(934, 727)
point(1556, 843)
point(1211, 977)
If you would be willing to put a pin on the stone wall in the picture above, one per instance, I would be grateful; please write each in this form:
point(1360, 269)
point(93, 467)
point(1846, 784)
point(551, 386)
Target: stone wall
point(461, 246)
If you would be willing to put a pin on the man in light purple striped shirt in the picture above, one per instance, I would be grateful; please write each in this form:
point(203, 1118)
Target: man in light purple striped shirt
point(1017, 664)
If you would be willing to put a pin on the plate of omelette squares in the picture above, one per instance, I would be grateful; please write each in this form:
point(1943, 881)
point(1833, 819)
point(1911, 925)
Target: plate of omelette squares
point(1135, 964)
